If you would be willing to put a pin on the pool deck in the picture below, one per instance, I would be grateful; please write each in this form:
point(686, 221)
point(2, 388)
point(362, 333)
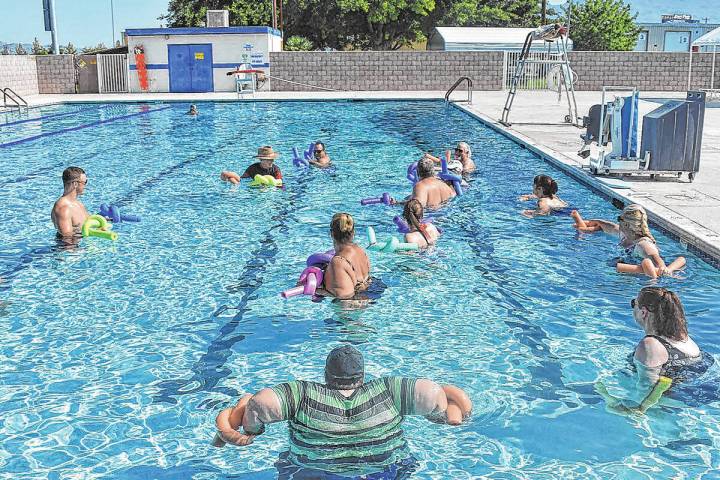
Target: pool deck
point(690, 211)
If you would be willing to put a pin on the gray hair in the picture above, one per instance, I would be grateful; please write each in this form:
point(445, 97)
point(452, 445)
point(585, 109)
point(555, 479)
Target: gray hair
point(465, 146)
point(425, 167)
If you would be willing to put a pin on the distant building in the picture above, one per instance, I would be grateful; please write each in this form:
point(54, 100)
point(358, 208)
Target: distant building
point(675, 33)
point(483, 38)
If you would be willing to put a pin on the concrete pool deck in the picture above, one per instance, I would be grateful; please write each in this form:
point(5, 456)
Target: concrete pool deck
point(690, 211)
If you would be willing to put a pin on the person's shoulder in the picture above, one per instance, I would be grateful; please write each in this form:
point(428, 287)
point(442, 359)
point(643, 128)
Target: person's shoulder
point(651, 352)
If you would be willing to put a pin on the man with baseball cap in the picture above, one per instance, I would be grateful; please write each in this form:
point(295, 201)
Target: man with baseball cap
point(344, 424)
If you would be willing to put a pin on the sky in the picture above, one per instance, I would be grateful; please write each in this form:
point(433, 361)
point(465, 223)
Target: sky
point(87, 22)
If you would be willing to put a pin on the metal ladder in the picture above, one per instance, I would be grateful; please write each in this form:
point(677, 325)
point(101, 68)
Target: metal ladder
point(566, 75)
point(17, 101)
point(456, 84)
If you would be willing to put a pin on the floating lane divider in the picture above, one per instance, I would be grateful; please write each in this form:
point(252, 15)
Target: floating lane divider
point(81, 127)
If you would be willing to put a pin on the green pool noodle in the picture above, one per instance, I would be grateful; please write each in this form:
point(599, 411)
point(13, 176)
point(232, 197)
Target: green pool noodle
point(93, 225)
point(392, 245)
point(265, 181)
point(655, 394)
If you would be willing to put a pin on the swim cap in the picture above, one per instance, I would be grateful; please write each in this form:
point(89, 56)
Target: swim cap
point(344, 368)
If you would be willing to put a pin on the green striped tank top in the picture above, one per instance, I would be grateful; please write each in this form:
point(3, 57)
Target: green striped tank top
point(334, 433)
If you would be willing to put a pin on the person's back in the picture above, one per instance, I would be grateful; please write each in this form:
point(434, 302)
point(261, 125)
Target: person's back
point(69, 213)
point(329, 430)
point(430, 237)
point(432, 192)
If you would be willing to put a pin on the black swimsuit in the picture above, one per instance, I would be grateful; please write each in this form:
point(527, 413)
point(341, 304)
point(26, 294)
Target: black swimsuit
point(677, 359)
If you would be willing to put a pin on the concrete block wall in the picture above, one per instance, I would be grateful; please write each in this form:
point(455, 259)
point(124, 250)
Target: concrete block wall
point(649, 71)
point(56, 73)
point(394, 71)
point(19, 72)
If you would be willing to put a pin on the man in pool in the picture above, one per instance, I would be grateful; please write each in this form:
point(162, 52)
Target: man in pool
point(69, 213)
point(266, 166)
point(345, 423)
point(430, 191)
point(320, 157)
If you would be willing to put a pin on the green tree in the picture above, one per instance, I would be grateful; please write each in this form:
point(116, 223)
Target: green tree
point(5, 49)
point(97, 48)
point(68, 49)
point(297, 43)
point(20, 50)
point(38, 49)
point(602, 25)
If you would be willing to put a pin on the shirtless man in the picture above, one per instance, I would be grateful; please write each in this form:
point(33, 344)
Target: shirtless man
point(430, 191)
point(68, 213)
point(320, 157)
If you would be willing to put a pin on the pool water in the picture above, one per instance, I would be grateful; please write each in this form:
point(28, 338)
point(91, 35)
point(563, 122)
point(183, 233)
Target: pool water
point(116, 357)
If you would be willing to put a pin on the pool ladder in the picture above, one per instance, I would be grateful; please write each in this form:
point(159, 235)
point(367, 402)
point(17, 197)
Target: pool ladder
point(457, 84)
point(17, 101)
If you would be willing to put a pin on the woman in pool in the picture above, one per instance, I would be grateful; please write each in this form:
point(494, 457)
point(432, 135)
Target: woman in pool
point(423, 234)
point(545, 190)
point(348, 273)
point(666, 355)
point(531, 196)
point(461, 163)
point(636, 239)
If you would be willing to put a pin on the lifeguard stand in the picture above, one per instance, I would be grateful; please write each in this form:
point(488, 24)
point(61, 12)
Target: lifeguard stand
point(553, 35)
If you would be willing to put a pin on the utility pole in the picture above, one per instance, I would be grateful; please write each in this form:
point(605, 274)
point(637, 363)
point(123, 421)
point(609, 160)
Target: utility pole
point(544, 12)
point(274, 14)
point(112, 19)
point(50, 26)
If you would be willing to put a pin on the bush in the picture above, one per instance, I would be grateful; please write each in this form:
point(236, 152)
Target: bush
point(298, 44)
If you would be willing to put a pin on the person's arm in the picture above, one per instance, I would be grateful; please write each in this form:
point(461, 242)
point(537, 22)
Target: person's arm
point(338, 282)
point(606, 226)
point(651, 251)
point(527, 197)
point(263, 408)
point(430, 400)
point(63, 215)
point(651, 355)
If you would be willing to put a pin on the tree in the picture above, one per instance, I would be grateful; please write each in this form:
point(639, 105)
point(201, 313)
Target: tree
point(38, 49)
point(602, 25)
point(20, 50)
point(297, 43)
point(5, 49)
point(97, 48)
point(68, 49)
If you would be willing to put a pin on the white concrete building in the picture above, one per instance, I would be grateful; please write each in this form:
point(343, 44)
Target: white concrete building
point(196, 59)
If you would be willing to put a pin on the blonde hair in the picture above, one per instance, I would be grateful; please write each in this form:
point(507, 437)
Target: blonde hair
point(465, 146)
point(342, 227)
point(635, 218)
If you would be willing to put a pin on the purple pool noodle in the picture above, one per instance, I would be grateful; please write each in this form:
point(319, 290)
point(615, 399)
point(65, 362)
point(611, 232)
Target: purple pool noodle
point(114, 214)
point(311, 278)
point(370, 201)
point(318, 259)
point(129, 218)
point(412, 172)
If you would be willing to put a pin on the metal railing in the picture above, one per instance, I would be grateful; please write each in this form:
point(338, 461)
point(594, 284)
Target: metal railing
point(112, 73)
point(536, 72)
point(456, 84)
point(18, 101)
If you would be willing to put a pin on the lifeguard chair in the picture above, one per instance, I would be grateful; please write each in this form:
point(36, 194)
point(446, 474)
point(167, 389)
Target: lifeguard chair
point(245, 79)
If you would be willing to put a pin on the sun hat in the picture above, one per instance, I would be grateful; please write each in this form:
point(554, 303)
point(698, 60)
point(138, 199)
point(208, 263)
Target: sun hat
point(267, 153)
point(344, 368)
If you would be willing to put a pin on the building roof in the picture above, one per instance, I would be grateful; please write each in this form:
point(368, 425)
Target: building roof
point(490, 36)
point(146, 32)
point(711, 38)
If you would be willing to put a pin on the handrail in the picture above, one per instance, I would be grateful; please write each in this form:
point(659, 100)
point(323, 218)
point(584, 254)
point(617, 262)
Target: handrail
point(14, 97)
point(456, 84)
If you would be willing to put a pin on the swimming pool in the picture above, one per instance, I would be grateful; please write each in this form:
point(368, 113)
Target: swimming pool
point(115, 357)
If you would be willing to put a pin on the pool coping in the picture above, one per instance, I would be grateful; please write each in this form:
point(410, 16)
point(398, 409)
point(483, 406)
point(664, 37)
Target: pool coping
point(693, 236)
point(696, 238)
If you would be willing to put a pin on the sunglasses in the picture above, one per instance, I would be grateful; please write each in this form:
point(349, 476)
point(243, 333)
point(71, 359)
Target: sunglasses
point(633, 303)
point(460, 150)
point(319, 151)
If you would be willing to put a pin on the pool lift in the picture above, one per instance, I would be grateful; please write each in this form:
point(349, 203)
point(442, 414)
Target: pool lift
point(614, 124)
point(561, 74)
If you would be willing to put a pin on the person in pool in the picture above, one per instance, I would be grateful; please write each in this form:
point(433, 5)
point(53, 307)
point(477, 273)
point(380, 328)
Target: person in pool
point(461, 163)
point(193, 110)
point(68, 213)
point(545, 190)
point(665, 356)
point(423, 234)
point(348, 272)
point(430, 191)
point(635, 237)
point(266, 166)
point(532, 196)
point(344, 424)
point(320, 157)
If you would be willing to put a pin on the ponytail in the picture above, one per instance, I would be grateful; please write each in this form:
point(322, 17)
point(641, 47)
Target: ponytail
point(413, 213)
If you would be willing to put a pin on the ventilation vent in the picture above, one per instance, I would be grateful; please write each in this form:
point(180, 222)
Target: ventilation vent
point(218, 18)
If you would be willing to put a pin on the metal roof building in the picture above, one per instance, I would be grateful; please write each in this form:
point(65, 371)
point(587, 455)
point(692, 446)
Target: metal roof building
point(455, 39)
point(675, 36)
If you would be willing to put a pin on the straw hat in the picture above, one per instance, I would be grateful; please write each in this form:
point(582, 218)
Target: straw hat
point(267, 153)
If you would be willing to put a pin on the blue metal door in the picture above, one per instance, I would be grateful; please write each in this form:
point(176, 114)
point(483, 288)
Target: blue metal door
point(190, 68)
point(201, 68)
point(179, 68)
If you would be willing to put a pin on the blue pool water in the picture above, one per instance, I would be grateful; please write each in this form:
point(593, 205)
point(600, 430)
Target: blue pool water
point(116, 357)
